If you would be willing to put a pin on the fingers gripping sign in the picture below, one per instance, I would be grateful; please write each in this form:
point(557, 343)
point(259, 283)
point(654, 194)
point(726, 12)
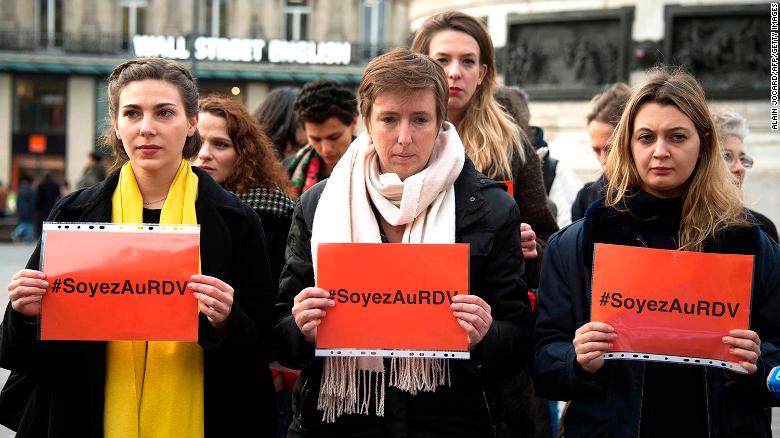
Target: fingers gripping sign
point(591, 341)
point(746, 345)
point(473, 314)
point(309, 309)
point(215, 298)
point(26, 290)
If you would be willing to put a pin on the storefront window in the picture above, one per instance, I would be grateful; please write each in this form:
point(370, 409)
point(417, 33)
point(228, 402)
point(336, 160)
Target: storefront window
point(39, 105)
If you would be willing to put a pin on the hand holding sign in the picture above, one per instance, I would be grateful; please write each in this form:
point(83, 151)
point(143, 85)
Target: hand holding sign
point(309, 309)
point(590, 342)
point(215, 298)
point(26, 290)
point(747, 345)
point(473, 314)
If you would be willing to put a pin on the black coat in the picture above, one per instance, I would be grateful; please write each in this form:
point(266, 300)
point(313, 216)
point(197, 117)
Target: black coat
point(609, 403)
point(590, 192)
point(56, 388)
point(487, 219)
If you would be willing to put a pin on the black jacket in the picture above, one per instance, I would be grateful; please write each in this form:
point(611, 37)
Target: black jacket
point(488, 220)
point(590, 192)
point(56, 388)
point(609, 403)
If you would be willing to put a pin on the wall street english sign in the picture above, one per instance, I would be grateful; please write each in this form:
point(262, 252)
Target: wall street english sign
point(243, 50)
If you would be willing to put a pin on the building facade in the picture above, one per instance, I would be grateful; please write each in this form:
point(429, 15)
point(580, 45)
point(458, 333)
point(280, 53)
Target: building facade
point(564, 51)
point(56, 54)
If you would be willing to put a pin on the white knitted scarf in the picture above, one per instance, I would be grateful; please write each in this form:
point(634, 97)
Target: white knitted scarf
point(425, 204)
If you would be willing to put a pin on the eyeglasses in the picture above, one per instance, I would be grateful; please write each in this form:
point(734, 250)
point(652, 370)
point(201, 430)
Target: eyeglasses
point(747, 162)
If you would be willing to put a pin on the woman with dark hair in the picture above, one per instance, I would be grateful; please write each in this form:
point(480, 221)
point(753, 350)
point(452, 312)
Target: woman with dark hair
point(219, 386)
point(240, 157)
point(416, 185)
point(668, 188)
point(463, 47)
point(277, 115)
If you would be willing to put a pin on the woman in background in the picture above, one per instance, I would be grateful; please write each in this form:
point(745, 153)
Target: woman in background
point(241, 158)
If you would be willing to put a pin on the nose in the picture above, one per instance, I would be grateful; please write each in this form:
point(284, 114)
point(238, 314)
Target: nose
point(737, 168)
point(204, 154)
point(404, 133)
point(147, 126)
point(327, 147)
point(453, 70)
point(661, 150)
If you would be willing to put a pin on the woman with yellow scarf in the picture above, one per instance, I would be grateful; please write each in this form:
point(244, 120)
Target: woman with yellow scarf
point(219, 386)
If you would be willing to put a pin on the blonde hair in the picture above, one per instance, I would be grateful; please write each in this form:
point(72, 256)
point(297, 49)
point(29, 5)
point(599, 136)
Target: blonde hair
point(484, 128)
point(711, 202)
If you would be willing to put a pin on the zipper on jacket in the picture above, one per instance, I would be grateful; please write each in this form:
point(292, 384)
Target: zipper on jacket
point(490, 415)
point(641, 396)
point(641, 240)
point(299, 417)
point(707, 402)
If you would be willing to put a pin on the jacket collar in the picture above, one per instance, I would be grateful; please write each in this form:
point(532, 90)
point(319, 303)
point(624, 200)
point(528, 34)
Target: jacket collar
point(604, 224)
point(469, 201)
point(209, 194)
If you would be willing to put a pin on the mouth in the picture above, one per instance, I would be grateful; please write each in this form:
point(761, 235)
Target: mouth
point(455, 90)
point(661, 170)
point(149, 149)
point(208, 169)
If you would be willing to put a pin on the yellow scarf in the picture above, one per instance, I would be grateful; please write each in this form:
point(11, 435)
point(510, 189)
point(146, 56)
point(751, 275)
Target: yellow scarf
point(154, 389)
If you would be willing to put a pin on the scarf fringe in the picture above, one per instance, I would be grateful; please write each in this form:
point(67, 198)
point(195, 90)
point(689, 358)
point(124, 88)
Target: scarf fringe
point(346, 389)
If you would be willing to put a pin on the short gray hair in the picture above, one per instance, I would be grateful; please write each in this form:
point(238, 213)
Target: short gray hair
point(728, 122)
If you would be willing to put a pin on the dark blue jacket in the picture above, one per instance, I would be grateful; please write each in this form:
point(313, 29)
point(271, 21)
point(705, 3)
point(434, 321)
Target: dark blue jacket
point(609, 403)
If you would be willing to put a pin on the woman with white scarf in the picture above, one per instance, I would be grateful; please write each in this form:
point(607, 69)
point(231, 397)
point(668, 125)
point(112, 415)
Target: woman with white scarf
point(406, 180)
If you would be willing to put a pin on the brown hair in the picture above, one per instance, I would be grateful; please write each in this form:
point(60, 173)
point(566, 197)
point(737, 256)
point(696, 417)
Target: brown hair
point(490, 136)
point(256, 163)
point(607, 107)
point(711, 202)
point(514, 100)
point(401, 70)
point(142, 69)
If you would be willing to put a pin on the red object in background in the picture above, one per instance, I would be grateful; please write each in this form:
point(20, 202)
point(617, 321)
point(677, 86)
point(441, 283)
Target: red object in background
point(37, 144)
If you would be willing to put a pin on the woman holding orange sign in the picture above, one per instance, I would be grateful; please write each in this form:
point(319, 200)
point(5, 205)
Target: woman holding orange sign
point(140, 388)
point(668, 189)
point(376, 195)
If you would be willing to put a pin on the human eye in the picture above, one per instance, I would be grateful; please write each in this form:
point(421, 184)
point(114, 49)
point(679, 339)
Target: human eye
point(387, 120)
point(130, 113)
point(469, 61)
point(728, 156)
point(646, 138)
point(165, 112)
point(421, 120)
point(441, 60)
point(678, 138)
point(221, 145)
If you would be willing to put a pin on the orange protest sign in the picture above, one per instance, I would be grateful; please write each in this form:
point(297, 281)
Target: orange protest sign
point(671, 306)
point(384, 292)
point(119, 282)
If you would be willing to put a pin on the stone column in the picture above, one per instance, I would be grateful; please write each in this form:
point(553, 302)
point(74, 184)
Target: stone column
point(6, 101)
point(80, 125)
